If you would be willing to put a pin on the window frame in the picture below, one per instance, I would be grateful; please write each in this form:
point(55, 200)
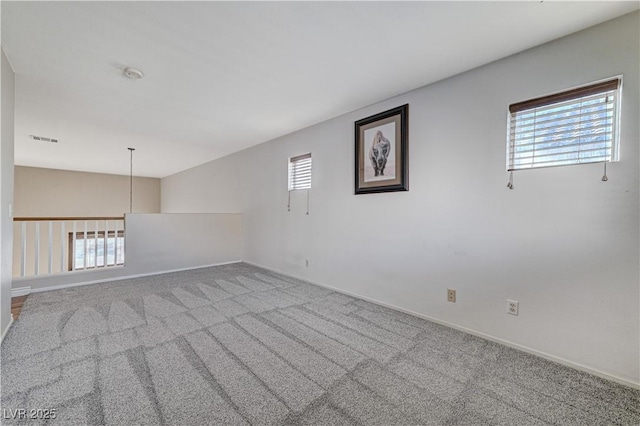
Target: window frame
point(598, 87)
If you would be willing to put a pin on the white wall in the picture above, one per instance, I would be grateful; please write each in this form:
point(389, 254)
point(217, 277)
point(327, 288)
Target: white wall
point(563, 243)
point(6, 188)
point(173, 241)
point(156, 243)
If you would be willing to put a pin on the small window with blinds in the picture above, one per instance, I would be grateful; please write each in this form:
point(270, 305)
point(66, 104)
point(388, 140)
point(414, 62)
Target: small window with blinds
point(300, 172)
point(572, 127)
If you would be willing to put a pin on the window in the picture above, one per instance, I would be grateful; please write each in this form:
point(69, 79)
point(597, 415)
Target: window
point(300, 172)
point(572, 127)
point(93, 251)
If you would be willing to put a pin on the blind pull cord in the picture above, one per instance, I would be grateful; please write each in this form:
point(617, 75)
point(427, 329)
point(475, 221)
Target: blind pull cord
point(289, 202)
point(604, 177)
point(308, 202)
point(510, 184)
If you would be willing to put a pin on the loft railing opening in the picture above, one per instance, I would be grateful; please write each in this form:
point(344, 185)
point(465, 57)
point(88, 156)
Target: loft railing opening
point(53, 245)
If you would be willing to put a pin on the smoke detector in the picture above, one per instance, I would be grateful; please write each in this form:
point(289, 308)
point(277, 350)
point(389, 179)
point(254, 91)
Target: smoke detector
point(133, 73)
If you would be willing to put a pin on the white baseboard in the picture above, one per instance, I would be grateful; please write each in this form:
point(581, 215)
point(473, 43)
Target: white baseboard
point(504, 342)
point(20, 291)
point(126, 277)
point(4, 332)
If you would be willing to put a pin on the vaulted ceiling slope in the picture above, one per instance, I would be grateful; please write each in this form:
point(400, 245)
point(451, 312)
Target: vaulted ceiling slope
point(223, 76)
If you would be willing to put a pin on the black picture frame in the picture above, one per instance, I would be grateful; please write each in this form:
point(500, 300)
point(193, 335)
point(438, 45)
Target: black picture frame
point(382, 152)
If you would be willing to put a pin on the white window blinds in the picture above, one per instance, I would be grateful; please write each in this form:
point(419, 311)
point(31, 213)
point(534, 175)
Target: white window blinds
point(573, 127)
point(300, 172)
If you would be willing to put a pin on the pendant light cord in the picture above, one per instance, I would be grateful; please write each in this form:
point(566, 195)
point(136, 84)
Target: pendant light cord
point(131, 179)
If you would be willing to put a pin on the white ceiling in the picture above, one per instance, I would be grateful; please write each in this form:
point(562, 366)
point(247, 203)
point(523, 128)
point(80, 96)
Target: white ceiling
point(223, 76)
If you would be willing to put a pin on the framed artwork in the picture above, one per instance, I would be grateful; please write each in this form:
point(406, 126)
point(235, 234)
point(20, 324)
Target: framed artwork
point(382, 152)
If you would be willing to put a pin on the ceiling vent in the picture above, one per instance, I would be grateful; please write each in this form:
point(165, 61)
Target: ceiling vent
point(43, 139)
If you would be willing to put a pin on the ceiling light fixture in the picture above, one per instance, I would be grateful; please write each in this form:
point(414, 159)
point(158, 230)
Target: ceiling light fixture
point(133, 73)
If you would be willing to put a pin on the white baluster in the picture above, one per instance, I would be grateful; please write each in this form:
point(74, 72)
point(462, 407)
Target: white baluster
point(62, 246)
point(23, 249)
point(115, 242)
point(37, 257)
point(95, 246)
point(72, 251)
point(86, 246)
point(50, 264)
point(104, 245)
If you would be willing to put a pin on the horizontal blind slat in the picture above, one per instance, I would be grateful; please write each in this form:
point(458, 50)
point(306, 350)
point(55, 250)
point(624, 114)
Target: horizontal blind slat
point(543, 155)
point(546, 120)
point(561, 150)
point(564, 162)
point(563, 140)
point(576, 110)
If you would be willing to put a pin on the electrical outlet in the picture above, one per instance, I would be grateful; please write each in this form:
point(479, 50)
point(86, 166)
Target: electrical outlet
point(451, 295)
point(306, 263)
point(512, 307)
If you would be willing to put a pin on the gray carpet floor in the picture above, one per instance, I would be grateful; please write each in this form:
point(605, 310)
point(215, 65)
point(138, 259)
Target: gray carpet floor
point(237, 344)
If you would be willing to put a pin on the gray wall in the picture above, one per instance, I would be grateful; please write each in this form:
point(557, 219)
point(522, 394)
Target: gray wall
point(563, 243)
point(50, 192)
point(6, 188)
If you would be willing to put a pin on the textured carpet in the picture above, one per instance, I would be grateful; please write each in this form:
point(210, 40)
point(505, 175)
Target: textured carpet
point(236, 344)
